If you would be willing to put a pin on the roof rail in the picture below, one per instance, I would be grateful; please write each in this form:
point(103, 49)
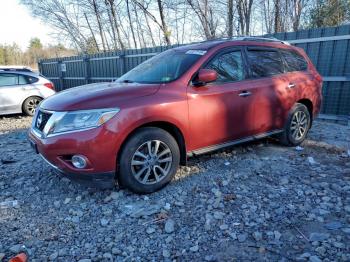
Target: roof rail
point(249, 38)
point(263, 39)
point(16, 68)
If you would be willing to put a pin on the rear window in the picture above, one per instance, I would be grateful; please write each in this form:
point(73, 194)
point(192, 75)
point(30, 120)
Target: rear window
point(264, 63)
point(294, 61)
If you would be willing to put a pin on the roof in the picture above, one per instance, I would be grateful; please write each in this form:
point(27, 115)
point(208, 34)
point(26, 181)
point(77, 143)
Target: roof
point(16, 68)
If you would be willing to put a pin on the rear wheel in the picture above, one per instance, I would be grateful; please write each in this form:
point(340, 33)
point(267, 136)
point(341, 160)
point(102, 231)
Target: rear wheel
point(30, 104)
point(297, 126)
point(149, 160)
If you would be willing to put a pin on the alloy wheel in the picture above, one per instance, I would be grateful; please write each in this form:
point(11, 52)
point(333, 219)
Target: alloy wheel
point(299, 125)
point(151, 162)
point(32, 105)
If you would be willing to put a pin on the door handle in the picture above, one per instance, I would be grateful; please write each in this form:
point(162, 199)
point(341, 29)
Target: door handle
point(244, 94)
point(291, 85)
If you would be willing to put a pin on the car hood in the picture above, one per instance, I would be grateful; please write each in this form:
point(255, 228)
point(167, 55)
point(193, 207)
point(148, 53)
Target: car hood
point(97, 95)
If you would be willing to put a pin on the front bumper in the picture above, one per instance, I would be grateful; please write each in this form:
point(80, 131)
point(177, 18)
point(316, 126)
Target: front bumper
point(100, 180)
point(94, 144)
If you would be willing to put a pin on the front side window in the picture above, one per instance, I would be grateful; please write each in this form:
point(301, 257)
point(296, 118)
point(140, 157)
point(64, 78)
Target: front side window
point(264, 63)
point(8, 79)
point(295, 62)
point(229, 66)
point(162, 68)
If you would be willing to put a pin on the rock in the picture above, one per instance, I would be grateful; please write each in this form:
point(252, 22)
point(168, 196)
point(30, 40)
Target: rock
point(104, 222)
point(318, 236)
point(277, 235)
point(108, 256)
point(53, 256)
point(321, 250)
point(169, 226)
point(168, 239)
point(333, 225)
point(242, 237)
point(346, 230)
point(311, 160)
point(116, 251)
point(85, 260)
point(224, 227)
point(219, 215)
point(57, 204)
point(299, 148)
point(138, 210)
point(209, 258)
point(66, 201)
point(150, 230)
point(166, 253)
point(16, 248)
point(314, 259)
point(167, 206)
point(194, 248)
point(257, 236)
point(284, 181)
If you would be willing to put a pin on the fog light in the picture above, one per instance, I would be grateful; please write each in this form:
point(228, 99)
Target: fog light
point(79, 161)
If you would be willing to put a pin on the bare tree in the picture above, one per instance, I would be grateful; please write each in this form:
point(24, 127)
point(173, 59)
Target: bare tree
point(244, 9)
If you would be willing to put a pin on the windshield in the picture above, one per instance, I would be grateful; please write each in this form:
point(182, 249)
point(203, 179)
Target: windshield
point(161, 68)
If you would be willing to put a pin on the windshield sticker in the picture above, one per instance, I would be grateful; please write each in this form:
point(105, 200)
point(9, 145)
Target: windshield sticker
point(196, 52)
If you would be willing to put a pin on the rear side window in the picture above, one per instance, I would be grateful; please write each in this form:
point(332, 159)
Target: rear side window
point(22, 80)
point(8, 79)
point(31, 79)
point(264, 63)
point(294, 61)
point(229, 66)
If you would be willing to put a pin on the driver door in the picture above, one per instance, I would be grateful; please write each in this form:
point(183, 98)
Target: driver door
point(221, 111)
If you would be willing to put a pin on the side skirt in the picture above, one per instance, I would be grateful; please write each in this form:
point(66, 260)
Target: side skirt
point(231, 143)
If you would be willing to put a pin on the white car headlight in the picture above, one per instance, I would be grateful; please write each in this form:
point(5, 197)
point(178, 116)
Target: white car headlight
point(76, 120)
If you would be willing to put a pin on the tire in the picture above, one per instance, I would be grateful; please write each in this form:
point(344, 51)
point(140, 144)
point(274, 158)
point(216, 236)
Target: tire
point(30, 104)
point(297, 126)
point(146, 175)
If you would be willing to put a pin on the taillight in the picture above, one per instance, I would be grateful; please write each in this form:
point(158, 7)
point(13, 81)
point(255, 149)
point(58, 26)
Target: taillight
point(49, 85)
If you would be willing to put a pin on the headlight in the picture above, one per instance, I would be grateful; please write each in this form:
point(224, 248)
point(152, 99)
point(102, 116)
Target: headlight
point(77, 120)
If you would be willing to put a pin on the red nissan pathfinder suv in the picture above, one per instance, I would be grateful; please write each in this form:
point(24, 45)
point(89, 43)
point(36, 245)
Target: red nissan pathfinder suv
point(183, 102)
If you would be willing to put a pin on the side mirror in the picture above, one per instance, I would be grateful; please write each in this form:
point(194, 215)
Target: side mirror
point(205, 76)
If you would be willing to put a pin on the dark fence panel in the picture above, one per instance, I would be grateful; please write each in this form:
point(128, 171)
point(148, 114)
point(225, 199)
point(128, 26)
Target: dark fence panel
point(328, 48)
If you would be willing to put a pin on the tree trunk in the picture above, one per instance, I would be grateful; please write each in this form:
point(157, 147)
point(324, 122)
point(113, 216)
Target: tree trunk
point(130, 23)
point(98, 19)
point(92, 33)
point(230, 18)
point(277, 16)
point(164, 25)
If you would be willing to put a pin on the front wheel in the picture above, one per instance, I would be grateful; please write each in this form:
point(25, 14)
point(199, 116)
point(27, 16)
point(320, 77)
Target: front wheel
point(149, 160)
point(30, 104)
point(297, 126)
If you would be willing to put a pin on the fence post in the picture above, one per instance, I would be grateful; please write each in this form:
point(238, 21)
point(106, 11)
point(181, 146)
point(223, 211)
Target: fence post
point(122, 64)
point(87, 69)
point(40, 68)
point(60, 73)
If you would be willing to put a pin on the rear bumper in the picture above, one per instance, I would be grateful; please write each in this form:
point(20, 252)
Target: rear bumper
point(99, 180)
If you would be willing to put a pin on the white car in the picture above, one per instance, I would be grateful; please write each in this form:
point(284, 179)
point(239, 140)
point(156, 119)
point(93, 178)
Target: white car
point(21, 91)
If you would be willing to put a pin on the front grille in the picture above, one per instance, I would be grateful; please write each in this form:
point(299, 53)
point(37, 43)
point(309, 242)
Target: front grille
point(41, 120)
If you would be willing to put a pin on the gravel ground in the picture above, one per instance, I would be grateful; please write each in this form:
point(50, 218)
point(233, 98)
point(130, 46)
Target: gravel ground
point(258, 201)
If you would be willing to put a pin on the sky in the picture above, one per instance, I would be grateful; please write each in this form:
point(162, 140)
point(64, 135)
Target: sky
point(18, 26)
